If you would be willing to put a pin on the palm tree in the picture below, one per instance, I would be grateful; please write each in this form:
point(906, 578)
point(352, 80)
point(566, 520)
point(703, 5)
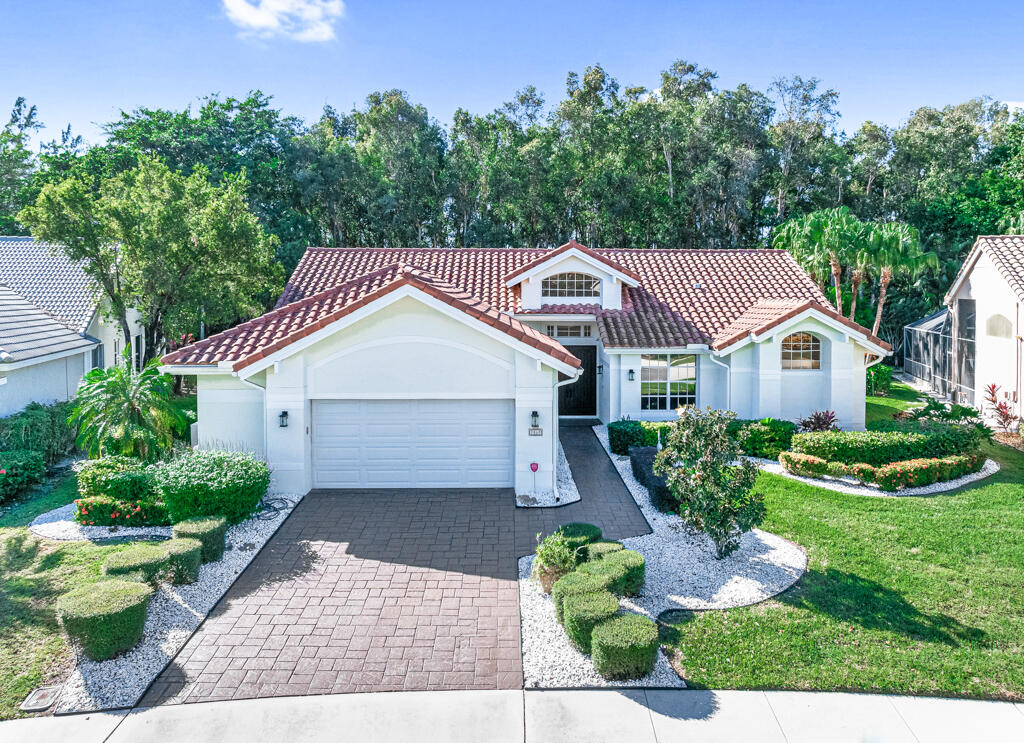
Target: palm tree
point(897, 251)
point(123, 411)
point(861, 263)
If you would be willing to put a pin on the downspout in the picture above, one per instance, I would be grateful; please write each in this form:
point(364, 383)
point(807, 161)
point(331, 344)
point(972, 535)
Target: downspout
point(263, 390)
point(554, 399)
point(728, 379)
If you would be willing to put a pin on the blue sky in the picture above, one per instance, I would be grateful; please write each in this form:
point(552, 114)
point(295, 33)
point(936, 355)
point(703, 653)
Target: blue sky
point(82, 62)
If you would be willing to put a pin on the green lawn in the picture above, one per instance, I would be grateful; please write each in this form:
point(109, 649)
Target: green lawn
point(33, 574)
point(901, 397)
point(904, 595)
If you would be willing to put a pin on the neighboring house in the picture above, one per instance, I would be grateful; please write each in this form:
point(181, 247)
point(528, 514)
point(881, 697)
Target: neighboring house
point(450, 368)
point(52, 325)
point(976, 340)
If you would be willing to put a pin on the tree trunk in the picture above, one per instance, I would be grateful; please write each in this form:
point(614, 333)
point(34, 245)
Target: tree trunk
point(837, 271)
point(855, 281)
point(884, 282)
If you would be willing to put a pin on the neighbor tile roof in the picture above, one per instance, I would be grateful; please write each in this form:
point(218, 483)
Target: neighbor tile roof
point(1007, 253)
point(44, 275)
point(26, 331)
point(249, 342)
point(769, 313)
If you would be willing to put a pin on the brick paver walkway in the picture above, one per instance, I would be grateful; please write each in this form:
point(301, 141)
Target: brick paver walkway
point(387, 590)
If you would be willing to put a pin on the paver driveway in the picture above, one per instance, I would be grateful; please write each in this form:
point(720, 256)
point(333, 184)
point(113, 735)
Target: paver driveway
point(385, 590)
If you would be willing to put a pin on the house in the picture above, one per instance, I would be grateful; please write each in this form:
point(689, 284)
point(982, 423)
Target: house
point(451, 368)
point(52, 325)
point(975, 340)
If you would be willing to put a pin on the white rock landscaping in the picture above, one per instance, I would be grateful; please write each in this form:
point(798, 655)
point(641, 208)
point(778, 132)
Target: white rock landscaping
point(174, 614)
point(682, 572)
point(60, 525)
point(855, 487)
point(565, 487)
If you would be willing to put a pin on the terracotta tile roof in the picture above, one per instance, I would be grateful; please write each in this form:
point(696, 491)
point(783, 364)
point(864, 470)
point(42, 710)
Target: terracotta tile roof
point(45, 276)
point(1007, 253)
point(769, 313)
point(27, 332)
point(571, 245)
point(251, 341)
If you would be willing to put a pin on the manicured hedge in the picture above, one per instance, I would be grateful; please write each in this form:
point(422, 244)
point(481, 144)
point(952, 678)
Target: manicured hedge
point(145, 562)
point(909, 473)
point(100, 510)
point(883, 447)
point(20, 469)
point(613, 570)
point(641, 460)
point(624, 647)
point(212, 483)
point(576, 584)
point(208, 530)
point(765, 438)
point(582, 612)
point(598, 550)
point(41, 428)
point(105, 618)
point(626, 433)
point(632, 581)
point(184, 558)
point(100, 476)
point(579, 535)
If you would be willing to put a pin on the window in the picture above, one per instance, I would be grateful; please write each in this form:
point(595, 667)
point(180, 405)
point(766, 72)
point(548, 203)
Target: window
point(97, 357)
point(137, 348)
point(999, 326)
point(801, 351)
point(568, 331)
point(571, 285)
point(667, 382)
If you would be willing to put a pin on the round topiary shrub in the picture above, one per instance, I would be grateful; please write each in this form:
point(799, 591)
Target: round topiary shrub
point(576, 584)
point(624, 647)
point(185, 557)
point(632, 562)
point(582, 612)
point(212, 483)
point(579, 535)
point(611, 569)
point(105, 618)
point(597, 550)
point(145, 562)
point(209, 530)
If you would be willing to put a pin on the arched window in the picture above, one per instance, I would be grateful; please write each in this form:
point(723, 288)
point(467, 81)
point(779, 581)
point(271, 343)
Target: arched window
point(999, 326)
point(801, 351)
point(571, 285)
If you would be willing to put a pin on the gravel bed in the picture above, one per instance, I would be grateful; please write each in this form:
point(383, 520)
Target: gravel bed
point(855, 487)
point(174, 614)
point(60, 525)
point(565, 487)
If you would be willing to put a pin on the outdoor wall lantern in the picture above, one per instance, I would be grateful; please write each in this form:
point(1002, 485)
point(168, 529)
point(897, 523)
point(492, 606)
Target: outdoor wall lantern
point(600, 368)
point(535, 419)
point(632, 376)
point(282, 419)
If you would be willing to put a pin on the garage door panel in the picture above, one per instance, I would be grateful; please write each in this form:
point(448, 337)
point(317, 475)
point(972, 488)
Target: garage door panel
point(412, 443)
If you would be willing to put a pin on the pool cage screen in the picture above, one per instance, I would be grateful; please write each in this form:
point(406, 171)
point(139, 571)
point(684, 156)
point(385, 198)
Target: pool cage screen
point(928, 356)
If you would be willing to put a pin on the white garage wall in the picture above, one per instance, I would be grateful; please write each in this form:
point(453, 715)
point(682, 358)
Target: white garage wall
point(50, 381)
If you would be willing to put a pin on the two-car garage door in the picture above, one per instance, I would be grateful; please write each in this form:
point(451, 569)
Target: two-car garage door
point(413, 443)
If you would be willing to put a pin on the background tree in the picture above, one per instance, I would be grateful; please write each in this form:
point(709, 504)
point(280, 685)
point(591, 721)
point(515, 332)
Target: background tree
point(897, 251)
point(17, 164)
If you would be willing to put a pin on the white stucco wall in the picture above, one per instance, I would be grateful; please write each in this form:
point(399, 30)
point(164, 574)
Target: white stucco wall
point(108, 332)
point(409, 349)
point(46, 382)
point(611, 288)
point(230, 415)
point(998, 310)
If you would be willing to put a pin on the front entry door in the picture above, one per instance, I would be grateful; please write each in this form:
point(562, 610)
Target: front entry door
point(580, 397)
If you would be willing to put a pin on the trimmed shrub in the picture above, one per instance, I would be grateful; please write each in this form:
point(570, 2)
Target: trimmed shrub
point(765, 438)
point(212, 483)
point(613, 570)
point(624, 647)
point(208, 530)
point(95, 474)
point(603, 548)
point(578, 536)
point(41, 428)
point(624, 434)
point(837, 469)
point(105, 618)
point(916, 473)
point(883, 447)
point(555, 558)
point(184, 558)
point(582, 612)
point(576, 584)
point(632, 581)
point(101, 510)
point(803, 464)
point(145, 562)
point(20, 469)
point(863, 472)
point(641, 459)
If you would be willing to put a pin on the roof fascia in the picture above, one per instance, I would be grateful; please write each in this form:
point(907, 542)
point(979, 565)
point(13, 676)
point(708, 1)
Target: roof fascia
point(572, 252)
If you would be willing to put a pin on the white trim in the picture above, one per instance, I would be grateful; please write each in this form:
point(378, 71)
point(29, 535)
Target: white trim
point(784, 328)
point(13, 365)
point(556, 317)
point(316, 395)
point(205, 370)
point(577, 253)
point(387, 300)
point(620, 351)
point(964, 272)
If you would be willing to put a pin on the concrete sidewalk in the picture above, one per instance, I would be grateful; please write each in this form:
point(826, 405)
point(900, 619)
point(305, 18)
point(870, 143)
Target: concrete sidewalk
point(619, 716)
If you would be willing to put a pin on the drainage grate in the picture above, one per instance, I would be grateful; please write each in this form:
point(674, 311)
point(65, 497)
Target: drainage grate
point(40, 699)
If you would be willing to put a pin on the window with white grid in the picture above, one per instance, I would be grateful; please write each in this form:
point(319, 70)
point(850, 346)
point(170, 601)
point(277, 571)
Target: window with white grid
point(571, 285)
point(801, 351)
point(667, 382)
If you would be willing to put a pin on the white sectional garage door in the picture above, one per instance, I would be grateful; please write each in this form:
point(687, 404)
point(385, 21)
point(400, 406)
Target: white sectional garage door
point(412, 443)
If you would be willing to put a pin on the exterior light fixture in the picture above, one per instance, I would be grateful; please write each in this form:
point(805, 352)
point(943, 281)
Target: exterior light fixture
point(535, 419)
point(631, 375)
point(282, 419)
point(600, 368)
